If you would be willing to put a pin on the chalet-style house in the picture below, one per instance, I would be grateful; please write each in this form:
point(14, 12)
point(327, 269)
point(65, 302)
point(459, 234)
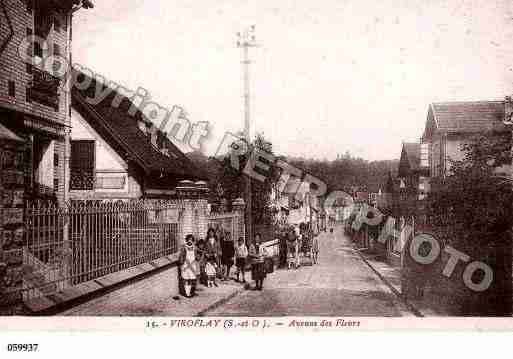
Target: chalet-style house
point(450, 124)
point(412, 183)
point(115, 155)
point(414, 169)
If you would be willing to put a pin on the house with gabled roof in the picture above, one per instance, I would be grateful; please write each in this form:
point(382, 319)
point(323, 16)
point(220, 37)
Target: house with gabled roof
point(116, 155)
point(413, 171)
point(451, 124)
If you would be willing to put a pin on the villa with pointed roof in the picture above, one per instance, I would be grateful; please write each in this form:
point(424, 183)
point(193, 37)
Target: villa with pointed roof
point(116, 155)
point(451, 124)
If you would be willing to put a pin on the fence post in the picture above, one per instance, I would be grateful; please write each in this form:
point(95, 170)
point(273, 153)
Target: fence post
point(186, 220)
point(238, 209)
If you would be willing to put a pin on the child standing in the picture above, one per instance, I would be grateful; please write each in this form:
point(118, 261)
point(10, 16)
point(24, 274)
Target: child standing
point(211, 270)
point(188, 266)
point(241, 253)
point(258, 254)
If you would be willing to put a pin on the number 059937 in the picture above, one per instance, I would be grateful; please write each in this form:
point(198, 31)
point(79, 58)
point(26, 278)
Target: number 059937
point(22, 347)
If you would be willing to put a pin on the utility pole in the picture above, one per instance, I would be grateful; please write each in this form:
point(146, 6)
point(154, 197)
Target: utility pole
point(245, 40)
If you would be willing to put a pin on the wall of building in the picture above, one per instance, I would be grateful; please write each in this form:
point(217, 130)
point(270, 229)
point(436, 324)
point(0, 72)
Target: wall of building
point(20, 15)
point(434, 156)
point(108, 164)
point(14, 68)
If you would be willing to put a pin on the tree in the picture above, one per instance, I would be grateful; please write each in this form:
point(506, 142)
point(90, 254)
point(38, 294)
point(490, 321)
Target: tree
point(473, 207)
point(474, 201)
point(232, 180)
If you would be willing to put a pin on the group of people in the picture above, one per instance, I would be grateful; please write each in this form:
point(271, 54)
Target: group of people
point(212, 258)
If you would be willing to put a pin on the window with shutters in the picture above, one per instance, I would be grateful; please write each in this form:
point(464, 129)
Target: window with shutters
point(82, 165)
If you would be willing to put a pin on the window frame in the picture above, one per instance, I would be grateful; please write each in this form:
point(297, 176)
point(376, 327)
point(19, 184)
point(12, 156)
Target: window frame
point(11, 88)
point(72, 167)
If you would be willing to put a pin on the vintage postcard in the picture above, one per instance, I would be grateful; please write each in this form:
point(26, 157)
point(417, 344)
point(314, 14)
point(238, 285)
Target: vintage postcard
point(271, 165)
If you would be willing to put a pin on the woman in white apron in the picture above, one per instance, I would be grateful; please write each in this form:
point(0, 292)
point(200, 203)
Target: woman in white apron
point(189, 269)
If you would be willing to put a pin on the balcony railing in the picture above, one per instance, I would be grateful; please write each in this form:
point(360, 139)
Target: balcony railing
point(44, 88)
point(81, 179)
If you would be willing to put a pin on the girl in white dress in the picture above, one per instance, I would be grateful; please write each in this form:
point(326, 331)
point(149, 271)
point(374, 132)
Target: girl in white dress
point(188, 266)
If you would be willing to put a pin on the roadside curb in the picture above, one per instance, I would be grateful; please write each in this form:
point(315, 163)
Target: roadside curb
point(410, 306)
point(219, 303)
point(73, 296)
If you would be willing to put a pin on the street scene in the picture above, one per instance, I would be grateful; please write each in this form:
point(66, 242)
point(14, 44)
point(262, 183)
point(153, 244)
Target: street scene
point(340, 284)
point(173, 159)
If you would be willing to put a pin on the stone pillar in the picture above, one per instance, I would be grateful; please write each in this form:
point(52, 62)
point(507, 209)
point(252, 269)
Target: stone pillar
point(193, 217)
point(186, 219)
point(12, 228)
point(203, 216)
point(238, 206)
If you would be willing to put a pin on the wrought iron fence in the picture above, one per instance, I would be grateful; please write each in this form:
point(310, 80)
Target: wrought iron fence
point(86, 240)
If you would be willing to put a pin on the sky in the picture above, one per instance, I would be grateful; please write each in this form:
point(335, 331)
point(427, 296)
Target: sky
point(329, 76)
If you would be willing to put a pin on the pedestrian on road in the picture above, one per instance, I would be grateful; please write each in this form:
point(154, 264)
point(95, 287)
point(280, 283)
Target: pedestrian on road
point(315, 249)
point(227, 254)
point(211, 270)
point(241, 253)
point(283, 247)
point(219, 252)
point(202, 260)
point(257, 253)
point(211, 247)
point(188, 267)
point(291, 248)
point(299, 241)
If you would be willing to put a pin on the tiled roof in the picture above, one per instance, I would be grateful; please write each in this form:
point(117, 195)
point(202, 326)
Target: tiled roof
point(473, 116)
point(123, 128)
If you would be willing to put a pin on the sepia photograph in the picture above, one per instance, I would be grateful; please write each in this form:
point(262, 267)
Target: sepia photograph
point(271, 165)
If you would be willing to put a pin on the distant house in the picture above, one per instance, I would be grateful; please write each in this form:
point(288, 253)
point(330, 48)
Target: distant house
point(413, 171)
point(451, 124)
point(386, 200)
point(295, 203)
point(115, 155)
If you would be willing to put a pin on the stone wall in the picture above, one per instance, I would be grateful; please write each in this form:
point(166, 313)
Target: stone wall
point(12, 229)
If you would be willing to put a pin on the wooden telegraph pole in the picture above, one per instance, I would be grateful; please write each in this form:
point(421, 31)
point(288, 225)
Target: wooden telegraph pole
point(245, 40)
